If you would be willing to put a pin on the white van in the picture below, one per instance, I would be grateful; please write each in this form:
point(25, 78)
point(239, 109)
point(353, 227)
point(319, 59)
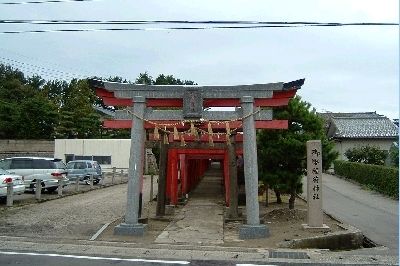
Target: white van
point(49, 170)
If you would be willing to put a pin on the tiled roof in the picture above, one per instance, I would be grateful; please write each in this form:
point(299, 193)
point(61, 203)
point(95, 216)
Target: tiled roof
point(363, 127)
point(353, 115)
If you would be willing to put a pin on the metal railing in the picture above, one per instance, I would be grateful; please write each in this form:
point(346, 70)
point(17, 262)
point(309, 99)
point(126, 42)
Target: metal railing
point(64, 187)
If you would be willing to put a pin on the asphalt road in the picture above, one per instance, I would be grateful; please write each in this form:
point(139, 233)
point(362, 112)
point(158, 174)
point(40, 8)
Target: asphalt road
point(375, 215)
point(37, 259)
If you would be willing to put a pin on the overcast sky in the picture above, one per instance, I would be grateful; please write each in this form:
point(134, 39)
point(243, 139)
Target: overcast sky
point(347, 69)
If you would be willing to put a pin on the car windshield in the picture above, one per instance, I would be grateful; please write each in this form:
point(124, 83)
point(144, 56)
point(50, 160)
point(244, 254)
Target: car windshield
point(3, 172)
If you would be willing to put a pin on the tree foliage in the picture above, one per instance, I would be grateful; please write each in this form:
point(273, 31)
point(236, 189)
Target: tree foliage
point(282, 153)
point(25, 113)
point(394, 154)
point(33, 108)
point(145, 78)
point(366, 154)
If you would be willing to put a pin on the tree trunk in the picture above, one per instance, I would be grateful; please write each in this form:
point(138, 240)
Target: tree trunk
point(278, 196)
point(266, 195)
point(292, 199)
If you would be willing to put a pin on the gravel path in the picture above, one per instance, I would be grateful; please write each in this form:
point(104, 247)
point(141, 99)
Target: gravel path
point(74, 217)
point(78, 216)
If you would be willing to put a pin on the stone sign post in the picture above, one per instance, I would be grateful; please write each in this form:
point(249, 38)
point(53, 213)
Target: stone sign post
point(314, 185)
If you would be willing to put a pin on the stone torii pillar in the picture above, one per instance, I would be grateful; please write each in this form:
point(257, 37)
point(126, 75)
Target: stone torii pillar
point(253, 228)
point(131, 226)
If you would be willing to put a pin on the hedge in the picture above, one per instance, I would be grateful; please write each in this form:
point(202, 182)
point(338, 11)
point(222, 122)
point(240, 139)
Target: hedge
point(380, 178)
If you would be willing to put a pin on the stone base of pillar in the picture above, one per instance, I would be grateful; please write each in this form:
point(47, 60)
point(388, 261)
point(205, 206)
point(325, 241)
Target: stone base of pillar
point(169, 209)
point(130, 229)
point(248, 231)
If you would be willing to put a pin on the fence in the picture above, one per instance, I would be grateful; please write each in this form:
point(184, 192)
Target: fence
point(114, 177)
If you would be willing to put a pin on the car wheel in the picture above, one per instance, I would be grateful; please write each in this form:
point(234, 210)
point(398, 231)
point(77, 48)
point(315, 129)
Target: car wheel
point(51, 189)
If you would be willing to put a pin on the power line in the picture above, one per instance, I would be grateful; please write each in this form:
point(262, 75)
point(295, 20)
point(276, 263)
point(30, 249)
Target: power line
point(39, 62)
point(144, 22)
point(41, 71)
point(194, 28)
point(16, 62)
point(45, 2)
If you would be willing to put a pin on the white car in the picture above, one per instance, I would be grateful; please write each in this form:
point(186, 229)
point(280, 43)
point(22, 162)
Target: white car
point(49, 170)
point(5, 178)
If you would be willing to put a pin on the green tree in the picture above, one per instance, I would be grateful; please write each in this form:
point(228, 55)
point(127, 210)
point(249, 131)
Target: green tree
point(144, 78)
point(9, 73)
point(56, 91)
point(31, 107)
point(37, 118)
point(25, 113)
point(394, 154)
point(171, 80)
point(366, 154)
point(78, 108)
point(282, 153)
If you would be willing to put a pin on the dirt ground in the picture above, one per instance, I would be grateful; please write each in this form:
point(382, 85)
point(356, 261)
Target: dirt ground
point(283, 224)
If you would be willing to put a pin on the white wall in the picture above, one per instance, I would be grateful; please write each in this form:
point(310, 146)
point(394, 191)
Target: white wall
point(118, 149)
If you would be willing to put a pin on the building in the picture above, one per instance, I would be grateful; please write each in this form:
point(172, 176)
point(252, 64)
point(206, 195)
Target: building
point(350, 130)
point(108, 153)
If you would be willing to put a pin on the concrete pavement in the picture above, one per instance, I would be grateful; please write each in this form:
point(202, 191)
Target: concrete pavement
point(190, 225)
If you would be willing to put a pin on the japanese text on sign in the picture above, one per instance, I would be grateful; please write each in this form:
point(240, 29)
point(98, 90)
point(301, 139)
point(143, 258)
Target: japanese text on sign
point(316, 162)
point(314, 184)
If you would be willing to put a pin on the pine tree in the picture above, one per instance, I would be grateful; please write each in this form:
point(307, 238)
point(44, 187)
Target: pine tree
point(282, 153)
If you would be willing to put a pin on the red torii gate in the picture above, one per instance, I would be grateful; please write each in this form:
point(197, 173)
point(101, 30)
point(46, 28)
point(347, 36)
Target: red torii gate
point(191, 173)
point(193, 99)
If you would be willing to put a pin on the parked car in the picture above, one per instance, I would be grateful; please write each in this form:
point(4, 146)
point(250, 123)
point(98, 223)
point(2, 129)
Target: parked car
point(49, 170)
point(84, 169)
point(5, 178)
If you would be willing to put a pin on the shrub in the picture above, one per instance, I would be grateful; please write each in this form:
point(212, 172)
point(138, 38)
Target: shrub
point(383, 179)
point(366, 154)
point(394, 154)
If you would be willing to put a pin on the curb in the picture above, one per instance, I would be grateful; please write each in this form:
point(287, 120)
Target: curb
point(352, 238)
point(211, 254)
